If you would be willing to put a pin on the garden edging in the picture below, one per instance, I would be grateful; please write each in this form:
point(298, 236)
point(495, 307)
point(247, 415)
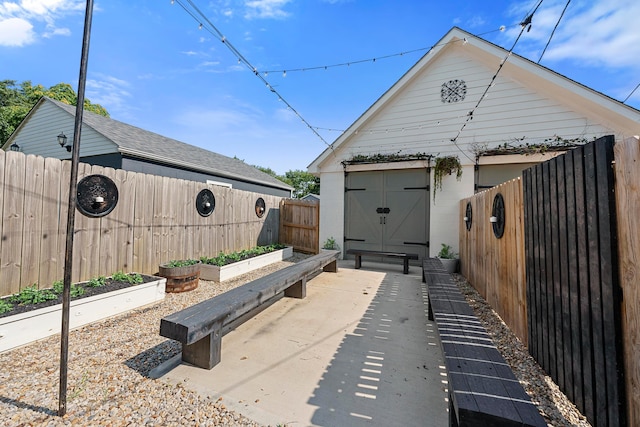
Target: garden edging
point(23, 328)
point(226, 272)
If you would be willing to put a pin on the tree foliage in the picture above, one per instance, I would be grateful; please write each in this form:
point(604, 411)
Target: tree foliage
point(303, 183)
point(16, 100)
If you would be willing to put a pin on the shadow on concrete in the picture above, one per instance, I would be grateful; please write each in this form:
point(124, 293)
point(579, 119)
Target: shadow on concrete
point(390, 370)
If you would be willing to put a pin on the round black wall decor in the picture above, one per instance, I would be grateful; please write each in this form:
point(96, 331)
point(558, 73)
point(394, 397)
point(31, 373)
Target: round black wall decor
point(469, 216)
point(453, 91)
point(498, 216)
point(97, 196)
point(205, 202)
point(260, 207)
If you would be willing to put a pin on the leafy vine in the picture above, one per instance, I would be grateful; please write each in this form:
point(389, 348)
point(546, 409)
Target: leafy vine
point(445, 165)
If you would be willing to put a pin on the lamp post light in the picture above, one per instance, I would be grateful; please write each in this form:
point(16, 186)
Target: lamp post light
point(14, 147)
point(62, 140)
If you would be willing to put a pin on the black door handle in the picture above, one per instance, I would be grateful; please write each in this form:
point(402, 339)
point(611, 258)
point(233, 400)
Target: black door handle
point(386, 210)
point(379, 210)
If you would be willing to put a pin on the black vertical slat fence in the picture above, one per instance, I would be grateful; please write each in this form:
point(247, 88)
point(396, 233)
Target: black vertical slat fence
point(573, 291)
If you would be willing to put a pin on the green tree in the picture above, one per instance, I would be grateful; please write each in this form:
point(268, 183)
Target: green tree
point(303, 183)
point(16, 100)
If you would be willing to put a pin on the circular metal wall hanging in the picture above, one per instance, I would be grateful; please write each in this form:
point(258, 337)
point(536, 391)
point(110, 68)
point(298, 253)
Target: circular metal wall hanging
point(260, 207)
point(453, 91)
point(97, 196)
point(205, 202)
point(468, 216)
point(497, 216)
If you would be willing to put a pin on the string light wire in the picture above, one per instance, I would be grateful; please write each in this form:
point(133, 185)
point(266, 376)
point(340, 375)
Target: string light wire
point(205, 23)
point(554, 30)
point(284, 71)
point(632, 92)
point(526, 24)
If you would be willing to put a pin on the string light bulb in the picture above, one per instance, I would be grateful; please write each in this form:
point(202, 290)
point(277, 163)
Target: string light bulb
point(200, 26)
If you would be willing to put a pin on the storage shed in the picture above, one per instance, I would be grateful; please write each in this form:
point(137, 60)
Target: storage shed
point(467, 99)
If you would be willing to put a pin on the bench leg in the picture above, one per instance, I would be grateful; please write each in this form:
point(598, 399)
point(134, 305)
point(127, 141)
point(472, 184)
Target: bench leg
point(429, 310)
point(332, 267)
point(358, 261)
point(297, 290)
point(206, 352)
point(406, 266)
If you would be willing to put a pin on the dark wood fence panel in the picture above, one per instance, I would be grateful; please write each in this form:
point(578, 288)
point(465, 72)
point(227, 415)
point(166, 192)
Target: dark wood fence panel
point(573, 288)
point(154, 221)
point(300, 225)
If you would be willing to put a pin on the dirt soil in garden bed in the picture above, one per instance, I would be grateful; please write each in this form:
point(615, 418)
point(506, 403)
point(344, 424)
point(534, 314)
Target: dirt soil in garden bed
point(109, 286)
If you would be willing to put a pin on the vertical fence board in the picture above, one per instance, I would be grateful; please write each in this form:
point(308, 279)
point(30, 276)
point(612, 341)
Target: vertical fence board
point(627, 157)
point(51, 261)
point(32, 225)
point(12, 220)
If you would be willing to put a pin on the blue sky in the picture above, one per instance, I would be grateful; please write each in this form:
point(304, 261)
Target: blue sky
point(151, 66)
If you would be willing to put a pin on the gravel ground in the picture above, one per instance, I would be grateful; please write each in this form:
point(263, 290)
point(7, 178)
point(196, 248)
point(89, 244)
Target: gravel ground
point(552, 403)
point(107, 376)
point(109, 362)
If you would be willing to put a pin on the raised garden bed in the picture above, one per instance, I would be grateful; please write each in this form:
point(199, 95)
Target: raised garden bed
point(221, 273)
point(26, 323)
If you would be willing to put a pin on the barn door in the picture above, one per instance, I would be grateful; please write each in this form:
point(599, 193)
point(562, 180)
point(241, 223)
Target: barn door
point(387, 211)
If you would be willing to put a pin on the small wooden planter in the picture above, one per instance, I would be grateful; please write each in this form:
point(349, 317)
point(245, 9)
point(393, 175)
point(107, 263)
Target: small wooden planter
point(181, 279)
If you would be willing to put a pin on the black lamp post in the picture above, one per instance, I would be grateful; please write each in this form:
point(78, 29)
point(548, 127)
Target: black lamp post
point(62, 140)
point(14, 147)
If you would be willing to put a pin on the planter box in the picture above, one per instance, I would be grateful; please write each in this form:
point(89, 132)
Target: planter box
point(219, 274)
point(33, 325)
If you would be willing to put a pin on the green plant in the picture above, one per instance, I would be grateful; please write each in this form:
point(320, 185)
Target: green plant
point(224, 259)
point(131, 278)
point(446, 252)
point(33, 295)
point(330, 243)
point(58, 287)
point(445, 165)
point(181, 262)
point(76, 291)
point(97, 282)
point(5, 306)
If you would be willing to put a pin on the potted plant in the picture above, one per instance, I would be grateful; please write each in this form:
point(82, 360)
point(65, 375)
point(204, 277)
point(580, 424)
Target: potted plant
point(182, 275)
point(445, 165)
point(448, 258)
point(330, 244)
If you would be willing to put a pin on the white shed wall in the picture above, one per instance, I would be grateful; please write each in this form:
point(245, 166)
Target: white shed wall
point(332, 207)
point(445, 210)
point(39, 135)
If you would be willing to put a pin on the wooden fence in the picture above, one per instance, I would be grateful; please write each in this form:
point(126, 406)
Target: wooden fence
point(154, 221)
point(300, 225)
point(495, 266)
point(573, 312)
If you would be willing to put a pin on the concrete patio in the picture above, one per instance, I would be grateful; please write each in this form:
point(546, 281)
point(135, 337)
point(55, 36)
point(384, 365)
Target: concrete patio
point(359, 350)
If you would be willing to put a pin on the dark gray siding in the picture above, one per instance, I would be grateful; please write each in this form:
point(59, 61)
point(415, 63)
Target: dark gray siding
point(145, 166)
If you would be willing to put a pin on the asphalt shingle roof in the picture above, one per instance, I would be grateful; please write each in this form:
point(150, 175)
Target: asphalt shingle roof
point(141, 143)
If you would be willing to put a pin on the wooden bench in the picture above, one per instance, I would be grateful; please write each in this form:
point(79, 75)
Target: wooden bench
point(359, 253)
point(199, 327)
point(483, 391)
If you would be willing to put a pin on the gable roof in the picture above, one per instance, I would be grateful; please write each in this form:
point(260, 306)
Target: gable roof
point(573, 94)
point(135, 142)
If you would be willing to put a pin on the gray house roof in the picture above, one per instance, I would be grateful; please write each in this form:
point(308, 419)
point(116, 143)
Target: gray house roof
point(135, 142)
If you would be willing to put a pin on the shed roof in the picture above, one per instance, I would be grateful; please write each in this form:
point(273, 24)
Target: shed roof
point(582, 97)
point(136, 142)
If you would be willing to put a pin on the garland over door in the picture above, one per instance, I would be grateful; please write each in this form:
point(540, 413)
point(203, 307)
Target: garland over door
point(387, 210)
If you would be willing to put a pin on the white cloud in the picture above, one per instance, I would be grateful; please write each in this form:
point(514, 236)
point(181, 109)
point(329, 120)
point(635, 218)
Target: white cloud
point(110, 92)
point(266, 9)
point(16, 32)
point(22, 21)
point(600, 33)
